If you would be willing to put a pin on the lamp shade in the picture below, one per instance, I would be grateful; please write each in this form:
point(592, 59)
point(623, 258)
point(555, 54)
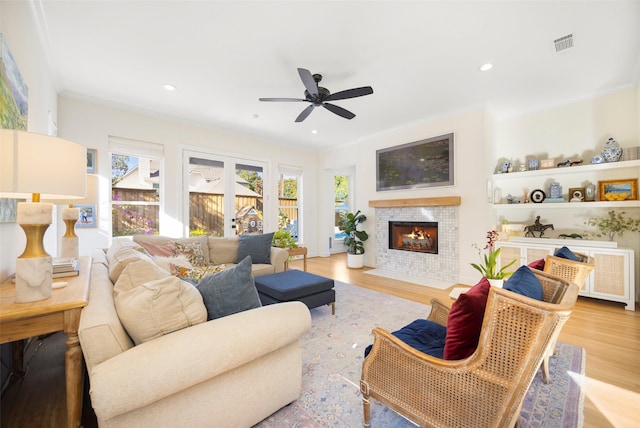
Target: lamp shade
point(33, 163)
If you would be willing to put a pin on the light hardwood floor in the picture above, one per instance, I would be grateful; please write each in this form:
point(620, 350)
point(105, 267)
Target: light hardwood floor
point(609, 334)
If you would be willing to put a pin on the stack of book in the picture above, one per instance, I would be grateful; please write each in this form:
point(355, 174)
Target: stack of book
point(65, 267)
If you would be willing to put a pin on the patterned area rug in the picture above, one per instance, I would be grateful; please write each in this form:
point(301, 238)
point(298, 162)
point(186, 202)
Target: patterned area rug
point(332, 360)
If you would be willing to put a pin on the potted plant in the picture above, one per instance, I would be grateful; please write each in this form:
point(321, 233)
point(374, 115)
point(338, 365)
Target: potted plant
point(354, 238)
point(613, 225)
point(490, 267)
point(283, 239)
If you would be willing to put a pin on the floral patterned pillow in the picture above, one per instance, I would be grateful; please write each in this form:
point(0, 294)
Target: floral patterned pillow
point(194, 274)
point(193, 251)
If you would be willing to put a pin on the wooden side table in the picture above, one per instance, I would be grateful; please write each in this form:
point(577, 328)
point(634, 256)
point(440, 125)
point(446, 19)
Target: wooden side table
point(60, 312)
point(299, 251)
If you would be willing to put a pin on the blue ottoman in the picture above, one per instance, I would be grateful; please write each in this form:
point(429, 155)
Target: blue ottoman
point(312, 290)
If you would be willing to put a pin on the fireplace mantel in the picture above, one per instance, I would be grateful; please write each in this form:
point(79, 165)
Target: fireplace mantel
point(443, 201)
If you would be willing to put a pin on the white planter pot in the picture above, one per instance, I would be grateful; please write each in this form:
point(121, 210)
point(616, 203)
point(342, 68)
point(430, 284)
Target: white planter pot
point(496, 282)
point(355, 261)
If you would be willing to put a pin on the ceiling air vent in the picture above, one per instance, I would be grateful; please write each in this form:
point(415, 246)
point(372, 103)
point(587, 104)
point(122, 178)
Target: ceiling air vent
point(563, 43)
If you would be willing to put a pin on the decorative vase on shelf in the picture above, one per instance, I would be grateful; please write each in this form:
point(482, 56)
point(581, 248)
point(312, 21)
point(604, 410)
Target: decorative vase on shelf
point(611, 151)
point(555, 190)
point(496, 282)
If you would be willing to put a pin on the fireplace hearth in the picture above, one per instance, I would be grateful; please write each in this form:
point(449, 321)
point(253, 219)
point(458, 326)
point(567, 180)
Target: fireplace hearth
point(416, 236)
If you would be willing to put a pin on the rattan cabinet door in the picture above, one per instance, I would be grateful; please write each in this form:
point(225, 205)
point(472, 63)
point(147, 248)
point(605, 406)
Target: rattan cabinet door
point(610, 275)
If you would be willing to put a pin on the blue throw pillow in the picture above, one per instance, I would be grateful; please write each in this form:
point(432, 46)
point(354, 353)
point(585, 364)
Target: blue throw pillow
point(524, 282)
point(566, 253)
point(256, 246)
point(424, 335)
point(230, 291)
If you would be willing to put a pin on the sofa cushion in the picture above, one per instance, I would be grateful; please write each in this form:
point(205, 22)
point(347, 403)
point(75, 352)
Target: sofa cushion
point(159, 307)
point(159, 239)
point(166, 262)
point(524, 282)
point(137, 273)
point(256, 246)
point(230, 291)
point(120, 243)
point(465, 322)
point(195, 273)
point(121, 259)
point(166, 249)
point(193, 251)
point(223, 250)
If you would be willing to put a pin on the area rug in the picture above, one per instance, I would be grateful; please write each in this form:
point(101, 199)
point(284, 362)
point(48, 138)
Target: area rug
point(332, 361)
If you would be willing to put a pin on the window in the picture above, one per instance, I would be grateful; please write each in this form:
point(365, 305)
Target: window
point(289, 198)
point(135, 187)
point(341, 195)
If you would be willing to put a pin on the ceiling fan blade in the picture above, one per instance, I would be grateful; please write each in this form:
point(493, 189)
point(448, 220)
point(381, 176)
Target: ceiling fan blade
point(308, 80)
point(338, 110)
point(282, 99)
point(306, 112)
point(350, 93)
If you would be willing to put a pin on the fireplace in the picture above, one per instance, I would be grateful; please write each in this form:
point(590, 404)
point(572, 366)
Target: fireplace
point(416, 236)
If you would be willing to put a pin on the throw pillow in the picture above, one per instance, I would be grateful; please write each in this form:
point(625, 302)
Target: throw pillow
point(424, 335)
point(256, 246)
point(166, 262)
point(193, 251)
point(137, 273)
point(120, 243)
point(166, 249)
point(524, 282)
point(230, 291)
point(195, 274)
point(566, 253)
point(121, 259)
point(465, 322)
point(537, 264)
point(159, 307)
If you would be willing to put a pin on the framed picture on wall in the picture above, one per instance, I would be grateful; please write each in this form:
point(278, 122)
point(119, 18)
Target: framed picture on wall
point(87, 216)
point(91, 160)
point(424, 163)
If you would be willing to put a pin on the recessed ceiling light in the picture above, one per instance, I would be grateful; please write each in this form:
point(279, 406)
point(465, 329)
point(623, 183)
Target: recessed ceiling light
point(314, 131)
point(486, 67)
point(169, 87)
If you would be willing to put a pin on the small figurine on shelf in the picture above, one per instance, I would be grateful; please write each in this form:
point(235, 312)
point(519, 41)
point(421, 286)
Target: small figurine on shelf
point(537, 227)
point(525, 199)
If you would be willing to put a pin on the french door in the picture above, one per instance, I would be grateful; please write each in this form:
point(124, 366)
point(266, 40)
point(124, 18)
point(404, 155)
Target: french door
point(224, 195)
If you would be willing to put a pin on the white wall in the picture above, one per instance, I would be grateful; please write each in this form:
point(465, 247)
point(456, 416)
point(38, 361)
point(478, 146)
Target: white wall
point(90, 123)
point(20, 33)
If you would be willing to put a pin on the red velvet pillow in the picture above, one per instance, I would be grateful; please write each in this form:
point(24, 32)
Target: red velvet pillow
point(465, 322)
point(537, 264)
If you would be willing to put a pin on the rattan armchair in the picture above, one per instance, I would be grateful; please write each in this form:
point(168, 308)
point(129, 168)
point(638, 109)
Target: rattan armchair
point(483, 390)
point(574, 271)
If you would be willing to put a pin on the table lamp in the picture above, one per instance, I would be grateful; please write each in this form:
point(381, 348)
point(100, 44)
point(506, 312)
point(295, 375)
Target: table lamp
point(38, 166)
point(69, 243)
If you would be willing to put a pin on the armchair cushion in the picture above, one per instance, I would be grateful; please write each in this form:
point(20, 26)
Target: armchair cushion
point(465, 322)
point(424, 335)
point(256, 246)
point(524, 282)
point(566, 253)
point(230, 291)
point(537, 264)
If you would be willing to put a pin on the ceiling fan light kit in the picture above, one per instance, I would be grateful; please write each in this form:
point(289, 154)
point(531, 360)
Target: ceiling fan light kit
point(318, 96)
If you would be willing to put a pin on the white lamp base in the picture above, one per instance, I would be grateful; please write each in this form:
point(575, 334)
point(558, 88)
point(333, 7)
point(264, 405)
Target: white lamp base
point(33, 279)
point(69, 247)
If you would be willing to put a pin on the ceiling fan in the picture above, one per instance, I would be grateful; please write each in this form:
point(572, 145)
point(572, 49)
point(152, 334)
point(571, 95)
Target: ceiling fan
point(318, 96)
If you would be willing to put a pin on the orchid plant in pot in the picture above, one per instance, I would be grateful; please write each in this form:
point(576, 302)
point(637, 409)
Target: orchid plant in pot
point(489, 267)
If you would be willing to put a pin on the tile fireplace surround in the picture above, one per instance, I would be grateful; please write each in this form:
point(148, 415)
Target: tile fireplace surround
point(443, 266)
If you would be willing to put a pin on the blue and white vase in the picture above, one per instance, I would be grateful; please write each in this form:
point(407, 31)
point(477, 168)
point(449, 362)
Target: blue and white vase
point(611, 151)
point(555, 190)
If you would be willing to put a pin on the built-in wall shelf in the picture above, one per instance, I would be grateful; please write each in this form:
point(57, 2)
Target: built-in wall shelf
point(569, 170)
point(570, 205)
point(416, 202)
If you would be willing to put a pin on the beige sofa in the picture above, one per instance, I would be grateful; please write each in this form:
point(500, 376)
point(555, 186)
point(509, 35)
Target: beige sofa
point(224, 251)
point(232, 371)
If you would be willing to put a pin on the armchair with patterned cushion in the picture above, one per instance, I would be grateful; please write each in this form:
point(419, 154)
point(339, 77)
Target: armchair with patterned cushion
point(487, 387)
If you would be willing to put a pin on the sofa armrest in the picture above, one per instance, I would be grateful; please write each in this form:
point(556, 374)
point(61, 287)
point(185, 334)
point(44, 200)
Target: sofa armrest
point(278, 258)
point(172, 363)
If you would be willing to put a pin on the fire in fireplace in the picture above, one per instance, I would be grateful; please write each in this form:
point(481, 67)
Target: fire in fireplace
point(418, 236)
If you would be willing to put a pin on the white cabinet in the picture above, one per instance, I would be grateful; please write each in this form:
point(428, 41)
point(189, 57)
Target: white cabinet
point(613, 277)
point(515, 184)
